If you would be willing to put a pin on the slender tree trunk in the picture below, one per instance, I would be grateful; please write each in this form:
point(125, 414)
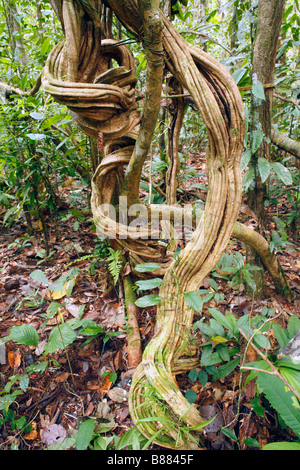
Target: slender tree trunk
point(269, 20)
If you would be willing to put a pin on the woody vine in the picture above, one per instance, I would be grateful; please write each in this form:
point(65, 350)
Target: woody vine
point(104, 103)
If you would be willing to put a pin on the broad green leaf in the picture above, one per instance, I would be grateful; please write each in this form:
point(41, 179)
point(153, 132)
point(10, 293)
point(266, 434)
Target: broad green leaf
point(191, 396)
point(239, 74)
point(220, 318)
point(211, 360)
point(293, 325)
point(192, 375)
point(23, 334)
point(292, 376)
point(227, 368)
point(248, 178)
point(39, 276)
point(283, 173)
point(130, 438)
point(249, 441)
point(257, 138)
point(45, 45)
point(280, 399)
point(229, 433)
point(65, 444)
point(258, 90)
point(90, 327)
point(148, 300)
point(60, 337)
point(24, 382)
point(194, 300)
point(147, 267)
point(282, 446)
point(149, 284)
point(264, 168)
point(246, 157)
point(281, 335)
point(202, 377)
point(85, 434)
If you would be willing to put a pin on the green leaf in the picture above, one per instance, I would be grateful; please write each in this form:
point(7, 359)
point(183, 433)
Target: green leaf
point(258, 90)
point(24, 382)
point(191, 396)
point(39, 276)
point(60, 337)
point(248, 178)
point(251, 442)
point(257, 138)
point(211, 360)
point(292, 376)
point(130, 438)
point(45, 45)
point(281, 400)
point(220, 318)
point(239, 74)
point(282, 446)
point(293, 325)
point(149, 284)
point(194, 300)
point(148, 300)
point(281, 335)
point(264, 168)
point(65, 444)
point(192, 375)
point(246, 157)
point(229, 433)
point(85, 434)
point(23, 334)
point(283, 173)
point(227, 368)
point(202, 377)
point(147, 267)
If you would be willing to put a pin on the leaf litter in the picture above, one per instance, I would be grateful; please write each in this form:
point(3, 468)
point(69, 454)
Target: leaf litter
point(90, 379)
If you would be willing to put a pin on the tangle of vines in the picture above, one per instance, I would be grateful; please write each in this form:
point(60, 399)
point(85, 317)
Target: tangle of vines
point(103, 101)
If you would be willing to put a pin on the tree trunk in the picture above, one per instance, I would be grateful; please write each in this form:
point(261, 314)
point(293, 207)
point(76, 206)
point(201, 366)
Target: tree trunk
point(269, 19)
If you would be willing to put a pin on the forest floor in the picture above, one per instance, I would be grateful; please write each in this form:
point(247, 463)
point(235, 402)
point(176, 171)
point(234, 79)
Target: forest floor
point(74, 385)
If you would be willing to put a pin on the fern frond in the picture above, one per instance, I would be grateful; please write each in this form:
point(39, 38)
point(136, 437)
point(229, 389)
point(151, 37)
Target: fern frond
point(114, 264)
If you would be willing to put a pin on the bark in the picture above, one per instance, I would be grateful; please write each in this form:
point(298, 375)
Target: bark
point(269, 20)
point(152, 41)
point(269, 260)
point(177, 110)
point(71, 77)
point(134, 343)
point(286, 143)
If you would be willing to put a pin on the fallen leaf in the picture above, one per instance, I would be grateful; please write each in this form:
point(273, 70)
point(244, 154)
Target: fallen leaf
point(14, 359)
point(53, 433)
point(119, 395)
point(30, 436)
point(61, 377)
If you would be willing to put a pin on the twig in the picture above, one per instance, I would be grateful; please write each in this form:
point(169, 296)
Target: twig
point(287, 100)
point(265, 358)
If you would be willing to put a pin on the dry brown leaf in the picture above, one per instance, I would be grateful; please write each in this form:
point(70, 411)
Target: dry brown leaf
point(117, 394)
point(61, 377)
point(14, 359)
point(53, 433)
point(33, 434)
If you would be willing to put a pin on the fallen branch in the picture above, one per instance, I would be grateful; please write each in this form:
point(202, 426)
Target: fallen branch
point(286, 143)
